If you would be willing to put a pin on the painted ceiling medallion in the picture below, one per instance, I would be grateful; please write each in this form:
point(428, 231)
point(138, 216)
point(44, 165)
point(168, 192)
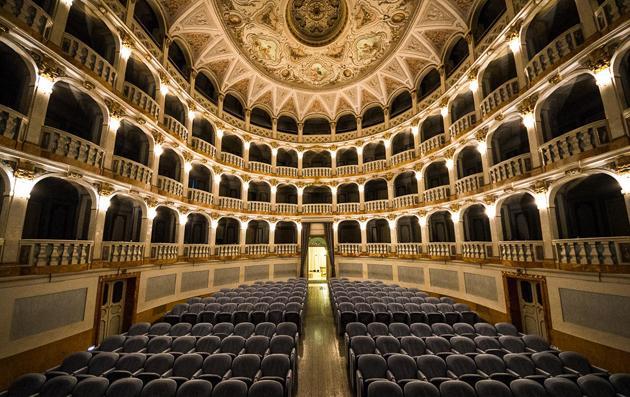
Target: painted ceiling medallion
point(316, 22)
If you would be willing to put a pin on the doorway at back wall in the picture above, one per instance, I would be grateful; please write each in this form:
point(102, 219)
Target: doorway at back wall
point(317, 259)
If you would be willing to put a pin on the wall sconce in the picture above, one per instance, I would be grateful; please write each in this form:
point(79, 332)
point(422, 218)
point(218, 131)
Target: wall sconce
point(114, 123)
point(491, 211)
point(125, 51)
point(422, 221)
point(449, 164)
point(444, 111)
point(46, 84)
point(528, 120)
point(23, 187)
point(219, 133)
point(603, 77)
point(183, 219)
point(164, 90)
point(104, 202)
point(541, 201)
point(515, 43)
point(158, 149)
point(152, 213)
point(187, 166)
point(482, 147)
point(192, 114)
point(455, 217)
point(473, 85)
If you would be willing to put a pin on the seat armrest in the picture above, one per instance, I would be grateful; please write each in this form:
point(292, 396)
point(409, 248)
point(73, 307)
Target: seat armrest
point(542, 372)
point(509, 371)
point(228, 374)
point(390, 376)
point(571, 371)
point(167, 373)
point(598, 369)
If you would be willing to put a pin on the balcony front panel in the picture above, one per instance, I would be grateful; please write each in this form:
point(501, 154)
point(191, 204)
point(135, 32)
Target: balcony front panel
point(562, 46)
point(574, 142)
point(500, 96)
point(203, 147)
point(170, 186)
point(437, 193)
point(164, 251)
point(38, 252)
point(140, 99)
point(233, 159)
point(12, 123)
point(378, 248)
point(407, 200)
point(286, 208)
point(373, 166)
point(477, 249)
point(348, 207)
point(67, 145)
point(441, 249)
point(521, 251)
point(286, 249)
point(317, 172)
point(347, 170)
point(510, 168)
point(593, 251)
point(28, 13)
point(199, 196)
point(130, 169)
point(175, 128)
point(403, 157)
point(287, 171)
point(376, 205)
point(122, 251)
point(349, 248)
point(409, 248)
point(259, 206)
point(469, 184)
point(228, 250)
point(263, 168)
point(317, 208)
point(463, 124)
point(88, 58)
point(257, 249)
point(433, 143)
point(230, 203)
point(197, 251)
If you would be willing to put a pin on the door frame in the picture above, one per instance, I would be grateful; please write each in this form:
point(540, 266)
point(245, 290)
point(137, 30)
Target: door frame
point(328, 250)
point(511, 298)
point(131, 300)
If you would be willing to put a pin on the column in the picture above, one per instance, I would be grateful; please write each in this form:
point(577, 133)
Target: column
point(333, 130)
point(274, 160)
point(534, 138)
point(393, 235)
point(300, 191)
point(452, 175)
point(300, 162)
point(220, 99)
point(587, 17)
point(414, 101)
point(363, 227)
point(424, 232)
point(161, 99)
point(388, 151)
point(190, 119)
point(361, 197)
point(458, 225)
point(300, 131)
point(360, 158)
point(98, 225)
point(16, 211)
point(272, 237)
point(108, 140)
point(242, 237)
point(495, 228)
point(333, 190)
point(147, 231)
point(121, 65)
point(216, 183)
point(477, 99)
point(248, 118)
point(518, 51)
point(244, 193)
point(386, 114)
point(420, 184)
point(60, 19)
point(274, 127)
point(131, 7)
point(37, 114)
point(612, 103)
point(548, 225)
point(181, 231)
point(626, 197)
point(185, 174)
point(359, 126)
point(272, 199)
point(446, 118)
point(333, 162)
point(415, 132)
point(246, 153)
point(217, 143)
point(391, 194)
point(335, 228)
point(485, 162)
point(212, 238)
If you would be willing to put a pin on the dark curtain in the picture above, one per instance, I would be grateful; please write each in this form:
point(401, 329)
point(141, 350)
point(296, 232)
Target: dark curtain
point(306, 232)
point(328, 231)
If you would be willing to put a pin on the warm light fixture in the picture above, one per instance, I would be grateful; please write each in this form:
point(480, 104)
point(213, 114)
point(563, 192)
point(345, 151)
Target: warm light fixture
point(422, 220)
point(274, 189)
point(187, 166)
point(219, 133)
point(183, 219)
point(361, 188)
point(449, 164)
point(473, 85)
point(158, 149)
point(418, 175)
point(152, 213)
point(624, 182)
point(272, 226)
point(300, 155)
point(114, 123)
point(333, 154)
point(274, 151)
point(164, 89)
point(104, 202)
point(528, 120)
point(125, 51)
point(214, 223)
point(192, 114)
point(23, 187)
point(246, 185)
point(46, 84)
point(603, 77)
point(444, 111)
point(67, 3)
point(515, 44)
point(482, 147)
point(244, 224)
point(335, 226)
point(541, 201)
point(491, 211)
point(455, 217)
point(360, 150)
point(415, 130)
point(362, 225)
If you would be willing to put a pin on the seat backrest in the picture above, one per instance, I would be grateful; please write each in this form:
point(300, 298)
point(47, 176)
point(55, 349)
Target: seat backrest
point(437, 344)
point(387, 344)
point(91, 387)
point(485, 329)
point(201, 329)
point(420, 388)
point(183, 344)
point(463, 328)
point(621, 383)
point(492, 388)
point(536, 343)
point(362, 345)
point(431, 366)
point(356, 328)
point(520, 364)
point(277, 365)
point(187, 365)
point(246, 365)
point(75, 361)
point(159, 388)
point(596, 386)
point(217, 364)
point(161, 328)
point(562, 387)
point(138, 329)
point(576, 362)
point(402, 366)
point(208, 344)
point(372, 366)
point(460, 364)
point(456, 388)
point(159, 344)
point(384, 388)
point(257, 344)
point(223, 329)
point(58, 386)
point(286, 328)
point(266, 329)
point(180, 329)
point(428, 307)
point(195, 388)
point(266, 388)
point(131, 362)
point(421, 330)
point(490, 364)
point(111, 343)
point(512, 343)
point(487, 342)
point(548, 362)
point(399, 330)
point(101, 362)
point(159, 363)
point(230, 388)
point(377, 329)
point(413, 345)
point(445, 307)
point(442, 329)
point(281, 344)
point(134, 344)
point(244, 329)
point(232, 344)
point(128, 387)
point(527, 388)
point(463, 344)
point(27, 385)
point(506, 329)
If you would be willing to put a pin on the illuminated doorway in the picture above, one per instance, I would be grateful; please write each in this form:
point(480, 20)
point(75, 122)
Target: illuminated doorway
point(317, 259)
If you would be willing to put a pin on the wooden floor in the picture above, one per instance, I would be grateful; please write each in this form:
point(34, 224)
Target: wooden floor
point(321, 368)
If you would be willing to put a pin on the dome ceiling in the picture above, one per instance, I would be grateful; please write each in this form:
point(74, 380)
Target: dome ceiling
point(315, 56)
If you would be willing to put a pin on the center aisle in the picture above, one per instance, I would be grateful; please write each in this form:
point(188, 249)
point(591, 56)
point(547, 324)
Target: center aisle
point(321, 367)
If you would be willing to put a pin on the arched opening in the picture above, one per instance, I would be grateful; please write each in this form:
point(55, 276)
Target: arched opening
point(405, 184)
point(346, 123)
point(349, 232)
point(348, 193)
point(149, 18)
point(259, 191)
point(75, 112)
point(123, 220)
point(286, 233)
point(228, 231)
point(132, 143)
point(432, 126)
point(572, 106)
point(57, 210)
point(402, 142)
point(624, 74)
point(375, 189)
point(486, 15)
point(316, 126)
point(287, 158)
point(164, 229)
point(373, 116)
point(313, 159)
point(230, 186)
point(234, 106)
point(436, 175)
point(408, 230)
point(469, 162)
point(317, 195)
point(261, 118)
point(429, 83)
point(15, 90)
point(170, 165)
point(257, 232)
point(347, 156)
point(232, 144)
point(203, 130)
point(374, 151)
point(174, 108)
point(196, 229)
point(441, 228)
point(139, 75)
point(401, 103)
point(498, 72)
point(550, 23)
point(476, 224)
point(508, 141)
point(288, 125)
point(260, 153)
point(200, 178)
point(462, 105)
point(206, 87)
point(456, 55)
point(286, 194)
point(91, 32)
point(591, 207)
point(520, 220)
point(178, 56)
point(378, 231)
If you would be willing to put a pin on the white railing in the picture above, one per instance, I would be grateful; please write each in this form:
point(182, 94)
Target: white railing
point(197, 250)
point(470, 183)
point(441, 249)
point(164, 251)
point(199, 196)
point(592, 251)
point(376, 205)
point(204, 147)
point(286, 249)
point(175, 127)
point(349, 248)
point(146, 40)
point(463, 124)
point(140, 99)
point(347, 169)
point(228, 250)
point(90, 59)
point(257, 249)
point(348, 207)
point(12, 123)
point(232, 159)
point(521, 251)
point(511, 167)
point(477, 249)
point(122, 251)
point(130, 169)
point(376, 165)
point(579, 140)
point(30, 14)
point(403, 157)
point(437, 193)
point(260, 167)
point(378, 248)
point(169, 185)
point(230, 203)
point(286, 208)
point(317, 208)
point(560, 47)
point(407, 200)
point(70, 146)
point(433, 143)
point(609, 11)
point(317, 172)
point(499, 96)
point(259, 206)
point(287, 171)
point(55, 252)
point(409, 248)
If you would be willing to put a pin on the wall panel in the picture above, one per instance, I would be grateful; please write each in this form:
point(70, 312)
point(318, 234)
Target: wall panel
point(160, 286)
